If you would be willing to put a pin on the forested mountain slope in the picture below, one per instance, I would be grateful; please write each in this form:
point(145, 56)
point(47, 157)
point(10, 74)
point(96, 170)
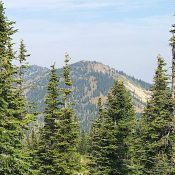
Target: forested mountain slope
point(91, 81)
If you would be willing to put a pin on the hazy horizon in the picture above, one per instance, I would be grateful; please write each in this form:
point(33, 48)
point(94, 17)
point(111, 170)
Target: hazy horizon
point(126, 35)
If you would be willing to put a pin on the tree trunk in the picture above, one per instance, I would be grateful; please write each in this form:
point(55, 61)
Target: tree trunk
point(173, 72)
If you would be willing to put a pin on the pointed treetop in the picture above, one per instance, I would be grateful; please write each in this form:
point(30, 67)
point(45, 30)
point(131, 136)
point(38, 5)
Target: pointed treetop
point(23, 52)
point(53, 65)
point(67, 70)
point(67, 57)
point(161, 77)
point(6, 29)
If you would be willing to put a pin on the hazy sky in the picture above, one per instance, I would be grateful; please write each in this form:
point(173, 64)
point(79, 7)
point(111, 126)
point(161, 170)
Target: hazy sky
point(125, 34)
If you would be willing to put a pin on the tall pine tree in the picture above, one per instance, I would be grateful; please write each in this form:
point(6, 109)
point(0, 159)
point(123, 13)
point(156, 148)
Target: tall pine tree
point(67, 128)
point(23, 105)
point(47, 149)
point(57, 152)
point(12, 159)
point(157, 132)
point(112, 134)
point(121, 111)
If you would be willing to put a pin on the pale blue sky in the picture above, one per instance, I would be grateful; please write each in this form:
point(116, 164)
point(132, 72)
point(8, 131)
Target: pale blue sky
point(125, 34)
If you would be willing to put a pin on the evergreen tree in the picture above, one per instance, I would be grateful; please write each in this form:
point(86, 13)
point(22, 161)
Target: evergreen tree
point(103, 144)
point(112, 133)
point(135, 150)
point(21, 102)
point(47, 148)
point(96, 137)
point(12, 158)
point(23, 106)
point(22, 58)
point(67, 129)
point(83, 143)
point(158, 127)
point(57, 152)
point(121, 111)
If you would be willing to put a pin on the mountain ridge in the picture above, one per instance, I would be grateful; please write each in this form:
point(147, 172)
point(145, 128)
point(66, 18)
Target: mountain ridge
point(91, 81)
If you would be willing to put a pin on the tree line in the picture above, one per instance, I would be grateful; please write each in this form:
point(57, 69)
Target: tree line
point(119, 143)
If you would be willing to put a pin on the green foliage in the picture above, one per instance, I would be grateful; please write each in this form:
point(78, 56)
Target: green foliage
point(111, 133)
point(157, 131)
point(120, 144)
point(47, 151)
point(135, 150)
point(57, 152)
point(67, 129)
point(121, 111)
point(103, 146)
point(13, 159)
point(83, 144)
point(67, 138)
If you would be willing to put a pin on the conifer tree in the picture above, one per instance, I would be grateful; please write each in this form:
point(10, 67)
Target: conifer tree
point(103, 144)
point(135, 151)
point(67, 128)
point(158, 127)
point(22, 58)
point(57, 152)
point(82, 148)
point(96, 137)
point(121, 111)
point(47, 148)
point(12, 159)
point(112, 134)
point(23, 106)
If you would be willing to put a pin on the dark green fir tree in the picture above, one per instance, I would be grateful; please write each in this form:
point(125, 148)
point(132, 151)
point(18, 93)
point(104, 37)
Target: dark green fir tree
point(120, 110)
point(103, 144)
point(12, 121)
point(47, 148)
point(57, 152)
point(135, 151)
point(82, 148)
point(67, 129)
point(158, 135)
point(23, 106)
point(112, 133)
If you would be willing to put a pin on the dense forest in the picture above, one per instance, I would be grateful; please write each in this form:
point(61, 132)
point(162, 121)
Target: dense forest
point(118, 142)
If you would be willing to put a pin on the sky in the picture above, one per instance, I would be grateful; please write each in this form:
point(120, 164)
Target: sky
point(125, 34)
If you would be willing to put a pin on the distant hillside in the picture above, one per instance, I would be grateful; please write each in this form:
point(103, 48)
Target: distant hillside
point(91, 81)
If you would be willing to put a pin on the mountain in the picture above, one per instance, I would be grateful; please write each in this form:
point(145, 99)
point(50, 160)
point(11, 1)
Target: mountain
point(91, 81)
